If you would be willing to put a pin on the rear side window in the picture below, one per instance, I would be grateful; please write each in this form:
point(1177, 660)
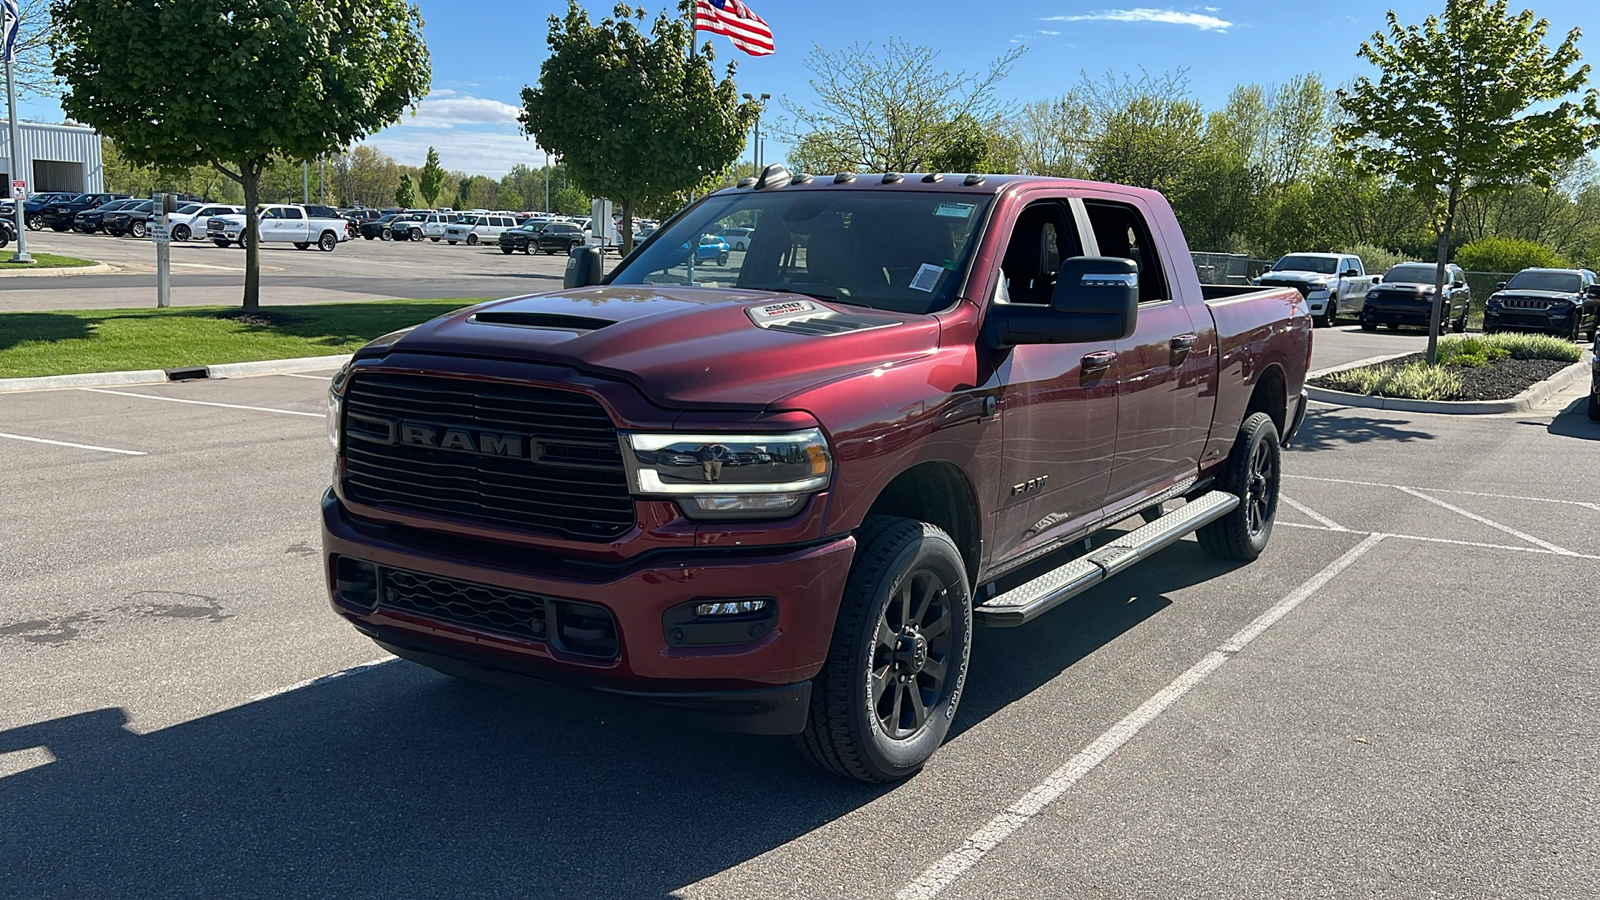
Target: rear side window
point(1120, 230)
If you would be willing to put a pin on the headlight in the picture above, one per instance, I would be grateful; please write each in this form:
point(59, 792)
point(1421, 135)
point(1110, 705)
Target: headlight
point(730, 475)
point(336, 405)
point(1373, 295)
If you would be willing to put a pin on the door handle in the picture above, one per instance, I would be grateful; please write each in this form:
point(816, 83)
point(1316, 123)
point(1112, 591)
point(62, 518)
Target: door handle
point(1183, 343)
point(1098, 361)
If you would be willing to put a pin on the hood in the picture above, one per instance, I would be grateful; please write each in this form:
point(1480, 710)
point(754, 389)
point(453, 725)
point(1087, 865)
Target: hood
point(1511, 293)
point(684, 346)
point(1403, 287)
point(1290, 277)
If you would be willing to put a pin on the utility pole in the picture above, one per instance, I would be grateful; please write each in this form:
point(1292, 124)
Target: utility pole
point(305, 181)
point(755, 137)
point(18, 198)
point(547, 182)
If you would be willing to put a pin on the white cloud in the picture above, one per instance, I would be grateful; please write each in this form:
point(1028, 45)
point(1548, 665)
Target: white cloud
point(1166, 16)
point(447, 109)
point(1042, 31)
point(490, 153)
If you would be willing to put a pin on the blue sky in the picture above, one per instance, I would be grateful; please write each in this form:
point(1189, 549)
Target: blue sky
point(485, 51)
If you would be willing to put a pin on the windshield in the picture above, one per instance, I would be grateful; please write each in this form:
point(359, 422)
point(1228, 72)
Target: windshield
point(191, 208)
point(1318, 264)
point(1412, 273)
point(887, 250)
point(1563, 282)
point(467, 220)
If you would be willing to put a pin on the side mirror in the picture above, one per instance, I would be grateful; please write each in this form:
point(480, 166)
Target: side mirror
point(1377, 279)
point(1351, 273)
point(1594, 291)
point(1499, 285)
point(585, 268)
point(1096, 299)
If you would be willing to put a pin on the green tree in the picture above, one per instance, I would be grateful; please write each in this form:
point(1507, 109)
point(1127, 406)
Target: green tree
point(405, 196)
point(633, 115)
point(570, 201)
point(431, 180)
point(1468, 103)
point(894, 110)
point(291, 78)
point(1497, 254)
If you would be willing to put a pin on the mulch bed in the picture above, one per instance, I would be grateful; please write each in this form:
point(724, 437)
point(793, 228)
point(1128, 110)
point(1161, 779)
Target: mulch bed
point(1501, 379)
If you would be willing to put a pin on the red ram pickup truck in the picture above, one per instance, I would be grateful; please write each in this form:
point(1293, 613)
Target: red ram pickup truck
point(779, 492)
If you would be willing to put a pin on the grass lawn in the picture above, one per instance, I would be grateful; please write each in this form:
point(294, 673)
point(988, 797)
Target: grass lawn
point(44, 261)
point(112, 340)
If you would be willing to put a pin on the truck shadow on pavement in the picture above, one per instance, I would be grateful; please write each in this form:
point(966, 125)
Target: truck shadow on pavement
point(396, 781)
point(1328, 428)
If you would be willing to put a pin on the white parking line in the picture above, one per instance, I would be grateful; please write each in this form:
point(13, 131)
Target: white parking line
point(1440, 540)
point(1313, 514)
point(1438, 490)
point(18, 437)
point(1489, 522)
point(943, 873)
point(286, 412)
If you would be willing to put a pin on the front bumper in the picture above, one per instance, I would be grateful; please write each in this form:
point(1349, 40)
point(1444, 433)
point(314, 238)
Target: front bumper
point(1397, 315)
point(761, 684)
point(1526, 320)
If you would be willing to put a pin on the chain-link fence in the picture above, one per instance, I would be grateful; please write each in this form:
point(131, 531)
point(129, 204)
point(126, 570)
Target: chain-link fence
point(1228, 268)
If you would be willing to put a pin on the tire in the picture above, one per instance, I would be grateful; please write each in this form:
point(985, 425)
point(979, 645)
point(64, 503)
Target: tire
point(1251, 473)
point(452, 243)
point(1460, 326)
point(222, 244)
point(34, 224)
point(1490, 329)
point(384, 235)
point(574, 245)
point(1577, 329)
point(900, 564)
point(1330, 316)
point(416, 234)
point(506, 250)
point(138, 229)
point(1369, 326)
point(367, 236)
point(722, 259)
point(58, 228)
point(180, 232)
point(1594, 407)
point(5, 240)
point(436, 240)
point(301, 245)
point(472, 240)
point(327, 242)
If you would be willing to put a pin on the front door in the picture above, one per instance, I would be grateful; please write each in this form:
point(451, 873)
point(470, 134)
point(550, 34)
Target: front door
point(1058, 407)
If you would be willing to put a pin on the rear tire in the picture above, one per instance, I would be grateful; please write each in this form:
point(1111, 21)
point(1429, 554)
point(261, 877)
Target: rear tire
point(301, 245)
point(327, 242)
point(1369, 326)
point(888, 691)
point(506, 250)
point(436, 240)
point(1251, 473)
point(1594, 406)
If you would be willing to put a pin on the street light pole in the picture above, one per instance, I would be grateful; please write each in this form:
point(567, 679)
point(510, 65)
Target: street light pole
point(755, 136)
point(547, 182)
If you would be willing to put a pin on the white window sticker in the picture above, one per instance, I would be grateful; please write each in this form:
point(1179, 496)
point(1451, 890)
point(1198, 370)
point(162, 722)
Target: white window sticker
point(926, 278)
point(954, 210)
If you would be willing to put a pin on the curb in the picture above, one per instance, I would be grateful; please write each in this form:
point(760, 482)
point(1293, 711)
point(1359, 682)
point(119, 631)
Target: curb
point(96, 269)
point(1522, 402)
point(181, 373)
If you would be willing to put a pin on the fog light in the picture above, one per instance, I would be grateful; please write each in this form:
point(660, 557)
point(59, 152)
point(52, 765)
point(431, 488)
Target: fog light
point(730, 608)
point(753, 503)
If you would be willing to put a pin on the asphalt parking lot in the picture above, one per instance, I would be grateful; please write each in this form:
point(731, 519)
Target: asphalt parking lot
point(204, 274)
point(1399, 699)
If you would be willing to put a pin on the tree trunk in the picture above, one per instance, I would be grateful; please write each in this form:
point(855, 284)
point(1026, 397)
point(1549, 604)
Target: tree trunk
point(627, 226)
point(250, 179)
point(1439, 276)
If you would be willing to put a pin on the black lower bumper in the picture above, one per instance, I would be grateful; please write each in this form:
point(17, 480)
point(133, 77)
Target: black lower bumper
point(775, 710)
point(1380, 316)
point(1524, 322)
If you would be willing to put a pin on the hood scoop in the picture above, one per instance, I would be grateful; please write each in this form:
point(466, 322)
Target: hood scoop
point(552, 321)
point(808, 317)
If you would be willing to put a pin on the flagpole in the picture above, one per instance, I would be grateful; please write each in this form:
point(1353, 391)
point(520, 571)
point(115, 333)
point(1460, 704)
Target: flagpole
point(17, 203)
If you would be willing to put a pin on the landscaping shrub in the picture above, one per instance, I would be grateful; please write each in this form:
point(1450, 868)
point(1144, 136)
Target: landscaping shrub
point(1377, 259)
point(1416, 381)
point(1497, 254)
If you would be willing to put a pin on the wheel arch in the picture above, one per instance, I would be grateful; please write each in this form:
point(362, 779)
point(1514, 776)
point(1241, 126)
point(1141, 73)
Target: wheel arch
point(1271, 396)
point(939, 493)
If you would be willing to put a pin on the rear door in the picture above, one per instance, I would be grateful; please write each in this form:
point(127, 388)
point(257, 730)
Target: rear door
point(1162, 365)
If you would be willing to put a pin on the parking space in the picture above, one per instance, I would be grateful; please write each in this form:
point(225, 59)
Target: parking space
point(1414, 716)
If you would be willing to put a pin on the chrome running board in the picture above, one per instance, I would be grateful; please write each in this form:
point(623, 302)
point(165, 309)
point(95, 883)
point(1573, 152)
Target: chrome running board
point(1026, 602)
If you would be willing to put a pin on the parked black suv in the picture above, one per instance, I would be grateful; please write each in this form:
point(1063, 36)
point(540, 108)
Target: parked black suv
point(1555, 301)
point(35, 204)
point(1405, 297)
point(522, 237)
point(561, 237)
point(134, 220)
point(91, 220)
point(59, 215)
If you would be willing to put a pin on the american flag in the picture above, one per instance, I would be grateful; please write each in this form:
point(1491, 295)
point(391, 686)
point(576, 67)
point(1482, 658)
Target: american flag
point(737, 22)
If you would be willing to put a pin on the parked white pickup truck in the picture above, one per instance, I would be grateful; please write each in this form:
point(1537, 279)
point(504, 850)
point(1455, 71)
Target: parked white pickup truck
point(1334, 284)
point(281, 224)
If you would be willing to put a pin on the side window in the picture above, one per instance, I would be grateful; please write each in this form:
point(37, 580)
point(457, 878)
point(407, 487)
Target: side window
point(1121, 231)
point(272, 214)
point(1041, 238)
point(293, 214)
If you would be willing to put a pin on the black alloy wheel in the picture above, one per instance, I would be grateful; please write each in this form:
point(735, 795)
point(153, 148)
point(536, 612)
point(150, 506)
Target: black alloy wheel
point(887, 693)
point(1330, 314)
point(1251, 473)
point(180, 232)
point(34, 224)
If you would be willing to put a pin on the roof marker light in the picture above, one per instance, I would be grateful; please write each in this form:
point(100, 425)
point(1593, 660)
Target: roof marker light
point(747, 181)
point(844, 178)
point(802, 178)
point(971, 180)
point(933, 178)
point(893, 178)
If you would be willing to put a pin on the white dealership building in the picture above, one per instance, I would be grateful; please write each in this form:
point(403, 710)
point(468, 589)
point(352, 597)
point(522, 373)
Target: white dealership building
point(53, 158)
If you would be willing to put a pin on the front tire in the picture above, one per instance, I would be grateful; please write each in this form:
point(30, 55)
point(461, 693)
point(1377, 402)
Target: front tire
point(1251, 473)
point(506, 250)
point(222, 244)
point(472, 240)
point(138, 229)
point(180, 232)
point(34, 224)
point(888, 691)
point(1330, 315)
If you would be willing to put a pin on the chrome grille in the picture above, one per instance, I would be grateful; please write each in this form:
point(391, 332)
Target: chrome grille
point(1524, 303)
point(568, 481)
